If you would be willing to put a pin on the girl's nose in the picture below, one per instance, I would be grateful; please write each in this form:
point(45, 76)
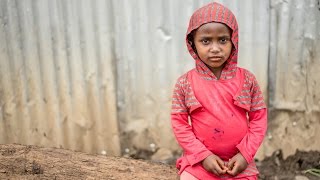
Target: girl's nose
point(214, 47)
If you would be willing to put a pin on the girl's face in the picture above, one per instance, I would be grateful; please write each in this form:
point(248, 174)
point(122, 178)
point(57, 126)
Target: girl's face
point(213, 45)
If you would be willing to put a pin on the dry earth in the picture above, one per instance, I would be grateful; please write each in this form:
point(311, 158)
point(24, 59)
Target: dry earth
point(32, 162)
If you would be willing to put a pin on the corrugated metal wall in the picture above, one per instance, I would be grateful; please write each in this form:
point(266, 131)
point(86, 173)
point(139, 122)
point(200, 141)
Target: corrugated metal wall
point(57, 74)
point(294, 76)
point(72, 71)
point(63, 63)
point(295, 54)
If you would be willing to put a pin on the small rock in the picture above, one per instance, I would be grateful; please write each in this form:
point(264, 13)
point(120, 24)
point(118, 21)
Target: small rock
point(301, 178)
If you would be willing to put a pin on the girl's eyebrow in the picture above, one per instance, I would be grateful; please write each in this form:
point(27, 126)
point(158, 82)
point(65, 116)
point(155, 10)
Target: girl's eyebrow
point(225, 36)
point(205, 36)
point(219, 36)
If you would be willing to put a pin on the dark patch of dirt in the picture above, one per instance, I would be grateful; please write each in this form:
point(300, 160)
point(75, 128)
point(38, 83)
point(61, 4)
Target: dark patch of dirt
point(276, 167)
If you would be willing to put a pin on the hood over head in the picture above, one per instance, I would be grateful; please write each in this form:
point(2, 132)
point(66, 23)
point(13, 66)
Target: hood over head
point(215, 12)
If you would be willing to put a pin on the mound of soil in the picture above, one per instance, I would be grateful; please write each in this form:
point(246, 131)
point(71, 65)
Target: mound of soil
point(32, 162)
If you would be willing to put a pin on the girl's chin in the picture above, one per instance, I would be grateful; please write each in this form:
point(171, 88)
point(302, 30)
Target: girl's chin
point(216, 65)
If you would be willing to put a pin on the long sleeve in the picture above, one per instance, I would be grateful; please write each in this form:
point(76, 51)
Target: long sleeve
point(251, 99)
point(253, 139)
point(194, 150)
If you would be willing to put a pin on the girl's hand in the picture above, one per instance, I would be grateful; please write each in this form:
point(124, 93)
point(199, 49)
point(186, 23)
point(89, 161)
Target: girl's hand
point(236, 164)
point(215, 165)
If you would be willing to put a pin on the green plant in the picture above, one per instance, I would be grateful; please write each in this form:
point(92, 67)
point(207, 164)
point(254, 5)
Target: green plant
point(313, 171)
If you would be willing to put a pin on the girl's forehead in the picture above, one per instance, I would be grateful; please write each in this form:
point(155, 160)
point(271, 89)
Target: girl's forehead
point(214, 27)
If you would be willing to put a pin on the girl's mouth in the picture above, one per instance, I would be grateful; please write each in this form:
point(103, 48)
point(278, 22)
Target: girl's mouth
point(215, 58)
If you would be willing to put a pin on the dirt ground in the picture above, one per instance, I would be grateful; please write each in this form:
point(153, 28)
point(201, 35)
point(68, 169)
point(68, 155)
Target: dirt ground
point(291, 168)
point(31, 162)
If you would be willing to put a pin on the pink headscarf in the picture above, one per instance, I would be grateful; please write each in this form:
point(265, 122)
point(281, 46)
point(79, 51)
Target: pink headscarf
point(215, 12)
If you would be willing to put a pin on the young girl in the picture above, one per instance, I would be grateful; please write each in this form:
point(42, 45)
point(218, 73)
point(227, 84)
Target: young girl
point(218, 114)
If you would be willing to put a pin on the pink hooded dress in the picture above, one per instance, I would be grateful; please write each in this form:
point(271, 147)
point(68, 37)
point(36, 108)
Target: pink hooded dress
point(227, 115)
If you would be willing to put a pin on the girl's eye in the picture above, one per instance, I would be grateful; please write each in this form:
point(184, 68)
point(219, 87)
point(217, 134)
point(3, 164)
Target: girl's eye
point(224, 40)
point(205, 41)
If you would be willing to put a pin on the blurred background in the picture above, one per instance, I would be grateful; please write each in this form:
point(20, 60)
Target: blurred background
point(97, 75)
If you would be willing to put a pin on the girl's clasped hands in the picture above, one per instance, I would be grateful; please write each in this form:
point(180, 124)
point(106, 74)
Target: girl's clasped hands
point(217, 166)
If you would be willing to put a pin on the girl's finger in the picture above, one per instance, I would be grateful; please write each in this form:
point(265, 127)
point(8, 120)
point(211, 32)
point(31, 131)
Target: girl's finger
point(221, 164)
point(234, 170)
point(231, 164)
point(218, 169)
